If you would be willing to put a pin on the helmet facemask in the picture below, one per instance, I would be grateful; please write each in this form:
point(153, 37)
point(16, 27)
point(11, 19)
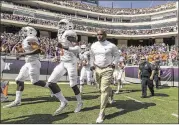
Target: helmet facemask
point(64, 25)
point(27, 31)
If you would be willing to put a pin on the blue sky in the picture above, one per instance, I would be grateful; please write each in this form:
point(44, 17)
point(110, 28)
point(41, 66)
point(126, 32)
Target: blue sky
point(127, 4)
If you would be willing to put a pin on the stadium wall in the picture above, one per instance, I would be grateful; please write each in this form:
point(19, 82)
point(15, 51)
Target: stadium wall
point(169, 76)
point(12, 68)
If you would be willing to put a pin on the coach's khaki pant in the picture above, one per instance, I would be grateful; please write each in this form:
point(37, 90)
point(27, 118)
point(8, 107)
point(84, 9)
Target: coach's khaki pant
point(103, 77)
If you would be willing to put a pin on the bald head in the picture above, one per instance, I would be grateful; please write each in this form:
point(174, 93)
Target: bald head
point(102, 32)
point(101, 35)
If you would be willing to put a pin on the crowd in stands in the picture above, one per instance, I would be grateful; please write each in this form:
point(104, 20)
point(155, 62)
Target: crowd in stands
point(114, 11)
point(12, 41)
point(21, 7)
point(128, 32)
point(167, 56)
point(28, 19)
point(89, 28)
point(131, 55)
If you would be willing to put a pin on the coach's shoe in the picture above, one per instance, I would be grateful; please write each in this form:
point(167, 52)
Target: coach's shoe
point(79, 107)
point(12, 104)
point(4, 99)
point(62, 106)
point(100, 118)
point(116, 92)
point(111, 101)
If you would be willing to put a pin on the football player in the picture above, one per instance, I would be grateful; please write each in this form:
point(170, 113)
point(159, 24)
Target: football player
point(32, 65)
point(67, 43)
point(86, 73)
point(4, 98)
point(118, 72)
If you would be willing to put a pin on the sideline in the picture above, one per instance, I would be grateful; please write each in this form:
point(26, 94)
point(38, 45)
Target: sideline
point(175, 115)
point(134, 99)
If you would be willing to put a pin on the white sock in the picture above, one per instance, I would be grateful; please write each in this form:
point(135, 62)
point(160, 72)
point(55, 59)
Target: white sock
point(78, 98)
point(81, 88)
point(18, 96)
point(46, 85)
point(60, 97)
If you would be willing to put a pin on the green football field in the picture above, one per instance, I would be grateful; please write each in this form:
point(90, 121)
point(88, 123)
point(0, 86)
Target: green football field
point(37, 106)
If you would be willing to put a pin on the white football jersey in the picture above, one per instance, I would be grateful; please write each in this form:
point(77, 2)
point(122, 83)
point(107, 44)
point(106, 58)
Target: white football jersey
point(28, 48)
point(67, 55)
point(85, 57)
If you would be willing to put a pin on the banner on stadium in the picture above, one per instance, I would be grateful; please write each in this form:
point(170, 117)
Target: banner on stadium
point(13, 66)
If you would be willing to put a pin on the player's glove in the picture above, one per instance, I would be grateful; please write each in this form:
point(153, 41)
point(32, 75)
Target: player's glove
point(59, 45)
point(92, 68)
point(112, 66)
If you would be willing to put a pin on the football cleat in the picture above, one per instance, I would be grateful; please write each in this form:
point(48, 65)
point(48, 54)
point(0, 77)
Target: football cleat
point(12, 104)
point(79, 107)
point(62, 106)
point(100, 119)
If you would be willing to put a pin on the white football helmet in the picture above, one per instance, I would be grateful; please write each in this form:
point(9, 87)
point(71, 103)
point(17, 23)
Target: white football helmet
point(63, 25)
point(83, 48)
point(28, 31)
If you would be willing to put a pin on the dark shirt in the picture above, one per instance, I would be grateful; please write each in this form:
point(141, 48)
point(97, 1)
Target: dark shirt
point(146, 69)
point(156, 68)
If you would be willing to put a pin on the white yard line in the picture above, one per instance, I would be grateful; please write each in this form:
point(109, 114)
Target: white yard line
point(159, 99)
point(175, 115)
point(134, 99)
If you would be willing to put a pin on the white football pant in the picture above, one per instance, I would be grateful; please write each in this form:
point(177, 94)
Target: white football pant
point(86, 74)
point(30, 69)
point(61, 69)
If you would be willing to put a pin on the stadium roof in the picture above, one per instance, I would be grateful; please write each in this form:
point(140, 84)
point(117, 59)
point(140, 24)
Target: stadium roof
point(131, 4)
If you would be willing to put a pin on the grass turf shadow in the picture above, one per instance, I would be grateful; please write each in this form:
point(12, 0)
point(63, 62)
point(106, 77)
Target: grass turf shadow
point(127, 106)
point(40, 99)
point(35, 119)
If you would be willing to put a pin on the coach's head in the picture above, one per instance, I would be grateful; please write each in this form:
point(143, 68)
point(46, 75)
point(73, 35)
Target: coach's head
point(101, 35)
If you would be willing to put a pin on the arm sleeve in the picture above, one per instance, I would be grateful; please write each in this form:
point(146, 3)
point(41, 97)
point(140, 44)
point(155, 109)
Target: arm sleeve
point(75, 49)
point(92, 58)
point(116, 55)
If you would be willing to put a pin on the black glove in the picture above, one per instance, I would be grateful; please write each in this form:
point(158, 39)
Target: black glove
point(92, 68)
point(159, 78)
